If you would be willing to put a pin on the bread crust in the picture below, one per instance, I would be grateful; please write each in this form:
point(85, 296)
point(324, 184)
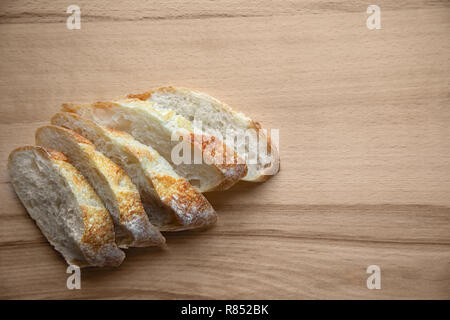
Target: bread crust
point(98, 240)
point(215, 151)
point(130, 212)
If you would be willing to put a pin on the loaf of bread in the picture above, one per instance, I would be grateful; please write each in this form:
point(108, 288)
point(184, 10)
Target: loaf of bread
point(113, 186)
point(170, 201)
point(113, 175)
point(158, 129)
point(64, 206)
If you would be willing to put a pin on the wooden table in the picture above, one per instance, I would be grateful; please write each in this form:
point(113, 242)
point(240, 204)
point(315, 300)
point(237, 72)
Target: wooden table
point(364, 120)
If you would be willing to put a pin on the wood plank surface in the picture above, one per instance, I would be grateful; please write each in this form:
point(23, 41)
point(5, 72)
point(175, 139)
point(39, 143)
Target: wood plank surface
point(364, 120)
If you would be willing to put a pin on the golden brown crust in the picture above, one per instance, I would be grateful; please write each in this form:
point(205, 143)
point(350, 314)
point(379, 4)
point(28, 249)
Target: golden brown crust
point(79, 138)
point(69, 107)
point(130, 206)
point(98, 228)
point(56, 155)
point(104, 105)
point(146, 95)
point(226, 160)
point(139, 152)
point(182, 197)
point(141, 96)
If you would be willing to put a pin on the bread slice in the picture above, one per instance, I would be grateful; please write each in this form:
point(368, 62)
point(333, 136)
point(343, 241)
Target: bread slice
point(113, 186)
point(171, 202)
point(162, 130)
point(64, 206)
point(219, 119)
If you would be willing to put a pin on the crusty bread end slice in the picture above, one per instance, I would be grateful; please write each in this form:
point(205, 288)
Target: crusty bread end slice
point(110, 182)
point(171, 202)
point(64, 206)
point(215, 116)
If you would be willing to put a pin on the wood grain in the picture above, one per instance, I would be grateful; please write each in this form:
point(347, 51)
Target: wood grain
point(364, 139)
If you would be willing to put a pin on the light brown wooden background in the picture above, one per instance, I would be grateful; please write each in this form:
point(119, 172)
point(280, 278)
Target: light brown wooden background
point(364, 119)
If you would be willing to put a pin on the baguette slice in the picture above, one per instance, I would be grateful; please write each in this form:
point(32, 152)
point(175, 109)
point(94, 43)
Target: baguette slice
point(173, 204)
point(157, 129)
point(65, 207)
point(113, 186)
point(219, 119)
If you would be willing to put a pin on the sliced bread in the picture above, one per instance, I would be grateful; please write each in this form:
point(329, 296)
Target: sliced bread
point(171, 202)
point(64, 206)
point(217, 118)
point(113, 186)
point(162, 131)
